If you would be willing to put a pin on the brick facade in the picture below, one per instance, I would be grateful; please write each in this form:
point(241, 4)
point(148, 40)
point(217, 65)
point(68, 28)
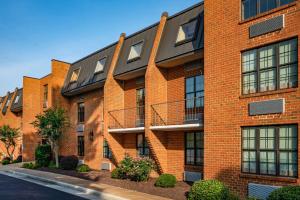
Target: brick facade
point(226, 109)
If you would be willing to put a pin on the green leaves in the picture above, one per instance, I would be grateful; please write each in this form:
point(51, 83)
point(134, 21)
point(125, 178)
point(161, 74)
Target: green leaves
point(9, 137)
point(52, 123)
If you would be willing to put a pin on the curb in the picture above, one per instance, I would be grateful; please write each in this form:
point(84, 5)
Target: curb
point(88, 191)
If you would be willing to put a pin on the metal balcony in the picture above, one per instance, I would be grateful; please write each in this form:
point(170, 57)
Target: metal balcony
point(130, 120)
point(178, 115)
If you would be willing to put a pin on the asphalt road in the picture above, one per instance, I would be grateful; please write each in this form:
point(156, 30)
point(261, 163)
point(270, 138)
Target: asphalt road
point(16, 189)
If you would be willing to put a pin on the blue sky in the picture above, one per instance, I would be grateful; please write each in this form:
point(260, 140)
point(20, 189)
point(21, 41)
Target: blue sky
point(32, 32)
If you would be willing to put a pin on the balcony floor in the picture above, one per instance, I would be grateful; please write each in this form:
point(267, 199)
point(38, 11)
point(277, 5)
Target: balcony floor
point(127, 130)
point(182, 127)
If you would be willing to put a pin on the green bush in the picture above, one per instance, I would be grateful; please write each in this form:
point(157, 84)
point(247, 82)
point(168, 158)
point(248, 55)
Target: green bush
point(116, 174)
point(134, 169)
point(43, 155)
point(83, 168)
point(141, 169)
point(30, 166)
point(285, 193)
point(209, 189)
point(5, 162)
point(52, 165)
point(69, 162)
point(166, 181)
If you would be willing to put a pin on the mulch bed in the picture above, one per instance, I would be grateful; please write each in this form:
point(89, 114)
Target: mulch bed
point(179, 192)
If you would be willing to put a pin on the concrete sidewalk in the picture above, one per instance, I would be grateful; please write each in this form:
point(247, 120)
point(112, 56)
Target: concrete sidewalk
point(89, 187)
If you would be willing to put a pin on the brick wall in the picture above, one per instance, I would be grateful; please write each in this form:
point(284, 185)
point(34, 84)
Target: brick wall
point(14, 120)
point(225, 109)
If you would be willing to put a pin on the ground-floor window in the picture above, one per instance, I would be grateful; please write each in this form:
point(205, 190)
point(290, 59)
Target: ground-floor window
point(270, 150)
point(142, 145)
point(80, 141)
point(194, 148)
point(106, 150)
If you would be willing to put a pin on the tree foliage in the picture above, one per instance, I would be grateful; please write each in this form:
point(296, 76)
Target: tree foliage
point(51, 125)
point(9, 137)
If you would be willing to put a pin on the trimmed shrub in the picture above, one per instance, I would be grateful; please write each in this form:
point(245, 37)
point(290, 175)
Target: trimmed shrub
point(43, 155)
point(30, 166)
point(83, 168)
point(116, 174)
point(134, 169)
point(209, 189)
point(69, 162)
point(141, 169)
point(166, 181)
point(285, 193)
point(5, 162)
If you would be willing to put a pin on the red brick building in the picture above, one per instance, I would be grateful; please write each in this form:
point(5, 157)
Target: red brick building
point(147, 95)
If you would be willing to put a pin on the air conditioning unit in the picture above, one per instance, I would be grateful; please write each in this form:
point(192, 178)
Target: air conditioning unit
point(106, 166)
point(260, 191)
point(80, 128)
point(80, 162)
point(192, 176)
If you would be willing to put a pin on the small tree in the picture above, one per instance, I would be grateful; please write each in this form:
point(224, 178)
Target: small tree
point(51, 125)
point(9, 138)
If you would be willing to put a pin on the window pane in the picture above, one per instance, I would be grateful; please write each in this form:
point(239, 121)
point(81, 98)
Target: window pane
point(186, 31)
point(135, 51)
point(199, 99)
point(75, 75)
point(100, 65)
point(199, 156)
point(266, 5)
point(267, 138)
point(190, 156)
point(189, 85)
point(249, 8)
point(249, 61)
point(190, 140)
point(267, 163)
point(249, 138)
point(288, 52)
point(267, 80)
point(266, 57)
point(288, 76)
point(284, 2)
point(249, 83)
point(249, 162)
point(288, 138)
point(140, 140)
point(199, 83)
point(190, 100)
point(199, 140)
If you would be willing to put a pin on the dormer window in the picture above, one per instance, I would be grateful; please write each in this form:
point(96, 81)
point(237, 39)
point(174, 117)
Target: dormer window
point(7, 102)
point(186, 31)
point(17, 99)
point(135, 52)
point(75, 75)
point(100, 66)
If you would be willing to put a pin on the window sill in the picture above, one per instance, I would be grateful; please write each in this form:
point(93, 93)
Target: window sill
point(269, 93)
point(268, 13)
point(269, 178)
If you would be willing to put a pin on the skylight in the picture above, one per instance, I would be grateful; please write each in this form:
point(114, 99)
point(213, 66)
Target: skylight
point(100, 65)
point(186, 31)
point(135, 51)
point(75, 75)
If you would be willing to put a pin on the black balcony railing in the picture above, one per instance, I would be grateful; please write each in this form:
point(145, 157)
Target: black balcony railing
point(127, 118)
point(188, 111)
